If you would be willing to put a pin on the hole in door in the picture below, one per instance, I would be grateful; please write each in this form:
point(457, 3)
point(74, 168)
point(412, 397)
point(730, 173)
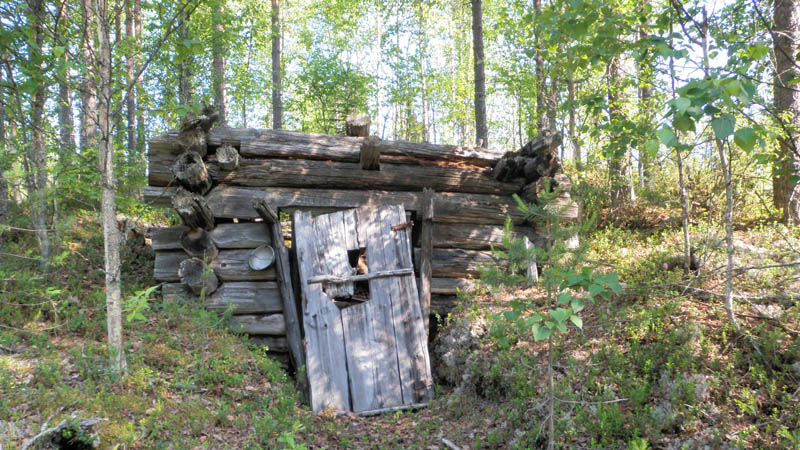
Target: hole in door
point(358, 260)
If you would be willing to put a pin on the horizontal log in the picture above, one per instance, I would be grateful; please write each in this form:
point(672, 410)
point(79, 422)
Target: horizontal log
point(196, 275)
point(273, 343)
point(244, 297)
point(230, 265)
point(273, 324)
point(443, 304)
point(475, 237)
point(229, 202)
point(451, 286)
point(457, 263)
point(297, 145)
point(327, 174)
point(224, 236)
point(159, 196)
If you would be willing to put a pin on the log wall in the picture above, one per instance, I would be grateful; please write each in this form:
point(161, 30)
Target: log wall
point(298, 171)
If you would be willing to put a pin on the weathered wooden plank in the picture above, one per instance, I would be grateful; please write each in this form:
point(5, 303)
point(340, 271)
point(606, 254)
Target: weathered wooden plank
point(272, 221)
point(322, 320)
point(457, 263)
point(272, 324)
point(224, 236)
point(475, 236)
point(244, 297)
point(159, 196)
point(369, 335)
point(332, 253)
point(297, 145)
point(325, 174)
point(412, 345)
point(230, 201)
point(451, 286)
point(426, 260)
point(230, 265)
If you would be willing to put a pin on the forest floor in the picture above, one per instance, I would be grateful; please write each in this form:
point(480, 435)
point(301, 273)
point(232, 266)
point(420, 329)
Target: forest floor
point(658, 366)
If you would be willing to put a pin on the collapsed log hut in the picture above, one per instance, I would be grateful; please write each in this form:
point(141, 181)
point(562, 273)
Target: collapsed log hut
point(231, 186)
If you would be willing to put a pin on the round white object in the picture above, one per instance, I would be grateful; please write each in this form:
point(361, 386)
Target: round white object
point(262, 257)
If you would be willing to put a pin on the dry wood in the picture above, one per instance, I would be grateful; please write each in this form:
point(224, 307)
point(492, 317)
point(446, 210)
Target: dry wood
point(159, 196)
point(227, 158)
point(198, 277)
point(365, 277)
point(357, 125)
point(533, 271)
point(377, 412)
point(457, 263)
point(370, 156)
point(272, 324)
point(193, 140)
point(476, 237)
point(271, 218)
point(326, 174)
point(451, 286)
point(197, 243)
point(224, 236)
point(190, 172)
point(243, 297)
point(226, 201)
point(426, 259)
point(193, 209)
point(230, 265)
point(322, 320)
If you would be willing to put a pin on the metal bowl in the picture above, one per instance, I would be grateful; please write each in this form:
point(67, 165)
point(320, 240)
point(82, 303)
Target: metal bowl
point(262, 257)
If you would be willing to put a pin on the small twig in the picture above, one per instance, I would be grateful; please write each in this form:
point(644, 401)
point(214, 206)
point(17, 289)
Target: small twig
point(585, 402)
point(449, 444)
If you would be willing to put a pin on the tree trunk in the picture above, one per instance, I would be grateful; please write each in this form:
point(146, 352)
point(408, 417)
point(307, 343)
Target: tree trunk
point(481, 127)
point(140, 130)
point(88, 112)
point(786, 195)
point(645, 96)
point(64, 92)
point(185, 65)
point(277, 102)
point(130, 63)
point(111, 237)
point(39, 151)
point(619, 161)
point(218, 57)
point(573, 137)
point(3, 163)
point(541, 101)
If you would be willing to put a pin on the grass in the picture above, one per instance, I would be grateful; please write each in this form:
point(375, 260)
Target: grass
point(652, 368)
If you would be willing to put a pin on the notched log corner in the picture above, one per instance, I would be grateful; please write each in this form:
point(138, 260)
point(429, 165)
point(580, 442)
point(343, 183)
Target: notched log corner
point(193, 209)
point(200, 278)
point(191, 173)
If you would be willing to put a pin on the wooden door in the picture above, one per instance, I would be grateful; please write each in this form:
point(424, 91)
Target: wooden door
point(372, 354)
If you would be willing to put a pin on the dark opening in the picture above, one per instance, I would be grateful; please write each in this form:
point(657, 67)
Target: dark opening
point(358, 260)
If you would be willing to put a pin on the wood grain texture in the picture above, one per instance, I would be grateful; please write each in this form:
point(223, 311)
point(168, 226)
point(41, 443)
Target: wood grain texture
point(425, 262)
point(475, 236)
point(451, 286)
point(230, 201)
point(457, 263)
point(243, 297)
point(230, 265)
point(224, 236)
point(272, 324)
point(325, 174)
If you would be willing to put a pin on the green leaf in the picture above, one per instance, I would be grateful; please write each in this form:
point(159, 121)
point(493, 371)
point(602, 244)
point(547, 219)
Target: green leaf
point(733, 87)
point(595, 289)
point(503, 342)
point(536, 318)
point(564, 298)
point(562, 326)
point(58, 51)
point(613, 283)
point(560, 314)
point(511, 315)
point(711, 110)
point(681, 104)
point(667, 137)
point(577, 321)
point(745, 138)
point(651, 147)
point(683, 123)
point(540, 333)
point(723, 125)
point(578, 304)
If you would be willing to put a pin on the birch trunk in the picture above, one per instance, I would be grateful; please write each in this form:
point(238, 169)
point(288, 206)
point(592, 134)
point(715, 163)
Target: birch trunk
point(218, 62)
point(111, 237)
point(481, 128)
point(277, 102)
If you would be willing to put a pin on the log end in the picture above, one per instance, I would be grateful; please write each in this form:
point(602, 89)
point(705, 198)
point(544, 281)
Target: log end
point(357, 125)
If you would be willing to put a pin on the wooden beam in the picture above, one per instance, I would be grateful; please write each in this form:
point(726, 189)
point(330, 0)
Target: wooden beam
point(273, 324)
point(198, 277)
point(243, 297)
point(370, 155)
point(230, 265)
point(273, 343)
point(224, 236)
point(193, 209)
point(272, 220)
point(228, 201)
point(451, 286)
point(357, 125)
point(190, 172)
point(426, 259)
point(475, 236)
point(457, 263)
point(197, 243)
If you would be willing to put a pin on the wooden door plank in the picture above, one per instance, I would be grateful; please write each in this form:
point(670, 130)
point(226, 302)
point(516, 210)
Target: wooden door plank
point(371, 347)
point(408, 318)
point(322, 321)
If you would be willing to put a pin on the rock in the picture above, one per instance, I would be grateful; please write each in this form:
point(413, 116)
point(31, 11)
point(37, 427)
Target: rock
point(454, 346)
point(75, 434)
